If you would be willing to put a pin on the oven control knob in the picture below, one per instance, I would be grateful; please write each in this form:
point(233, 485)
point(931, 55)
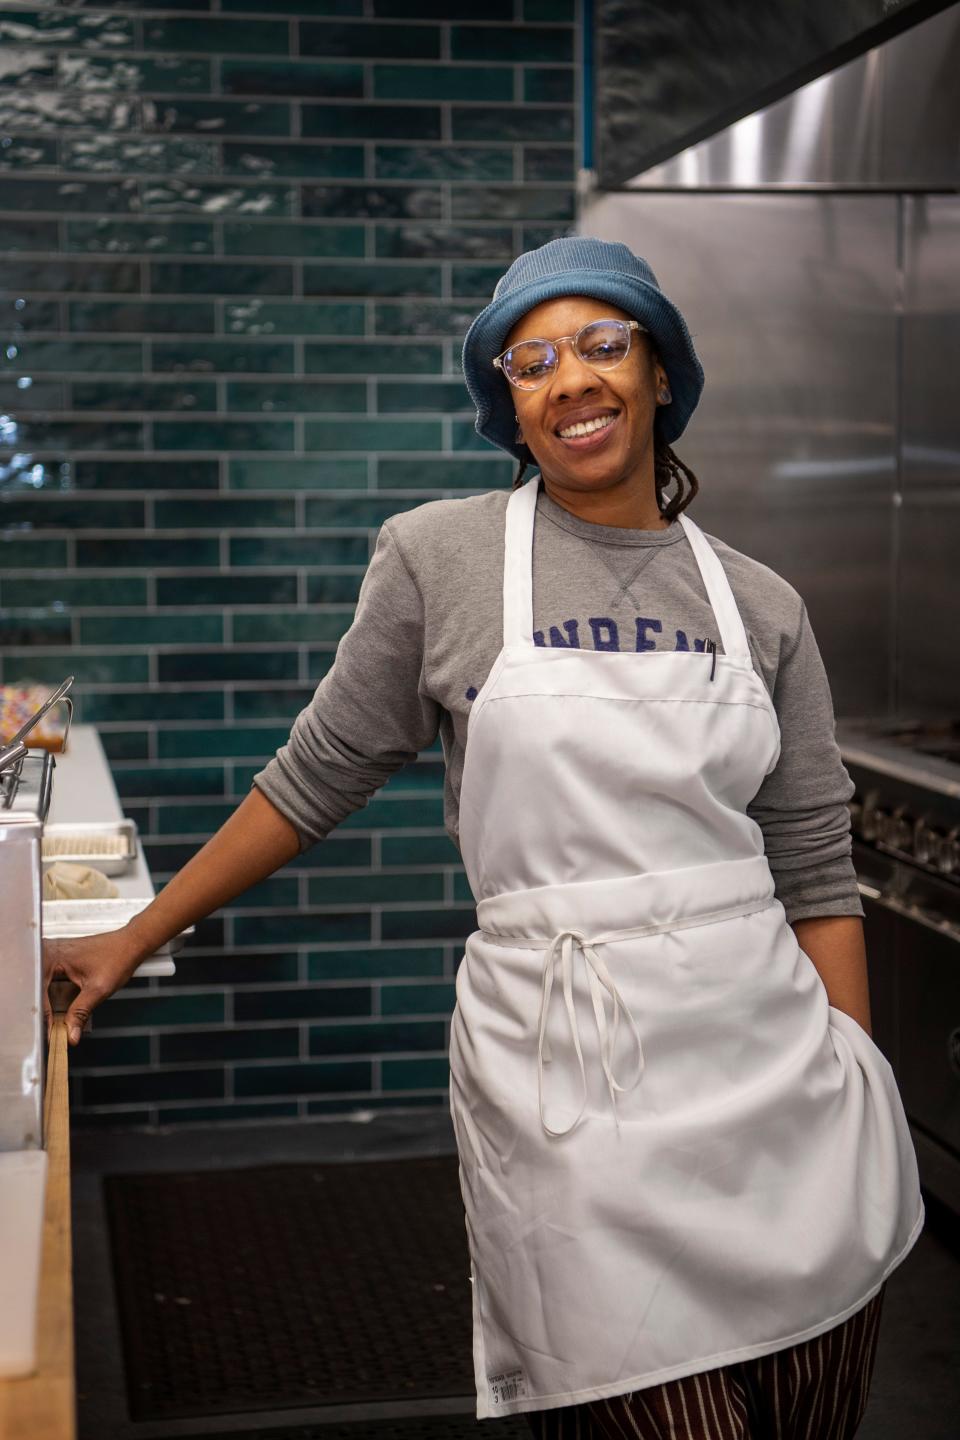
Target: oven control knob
point(926, 841)
point(899, 830)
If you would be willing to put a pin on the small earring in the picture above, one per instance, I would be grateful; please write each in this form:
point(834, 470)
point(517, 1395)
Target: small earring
point(664, 395)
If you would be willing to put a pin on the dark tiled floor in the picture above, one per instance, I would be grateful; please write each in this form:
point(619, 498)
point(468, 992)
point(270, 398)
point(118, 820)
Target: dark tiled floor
point(916, 1388)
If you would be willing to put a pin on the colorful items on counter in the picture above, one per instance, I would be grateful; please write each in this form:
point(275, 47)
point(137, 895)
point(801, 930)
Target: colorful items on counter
point(18, 703)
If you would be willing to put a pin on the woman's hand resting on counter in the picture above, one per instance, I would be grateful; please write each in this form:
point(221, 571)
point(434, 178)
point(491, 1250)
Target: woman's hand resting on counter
point(252, 844)
point(96, 964)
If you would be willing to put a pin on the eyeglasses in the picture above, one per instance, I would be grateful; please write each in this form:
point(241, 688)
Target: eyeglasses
point(602, 344)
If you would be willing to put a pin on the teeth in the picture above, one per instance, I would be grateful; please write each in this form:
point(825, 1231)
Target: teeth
point(587, 427)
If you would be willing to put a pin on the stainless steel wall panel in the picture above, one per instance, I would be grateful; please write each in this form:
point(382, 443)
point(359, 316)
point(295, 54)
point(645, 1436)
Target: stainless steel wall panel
point(928, 657)
point(928, 665)
point(792, 304)
point(838, 556)
point(931, 342)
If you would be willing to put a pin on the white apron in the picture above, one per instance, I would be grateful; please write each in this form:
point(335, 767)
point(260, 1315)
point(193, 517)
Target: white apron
point(674, 1153)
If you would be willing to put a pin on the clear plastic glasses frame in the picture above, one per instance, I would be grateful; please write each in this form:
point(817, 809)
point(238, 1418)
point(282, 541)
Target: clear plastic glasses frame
point(504, 361)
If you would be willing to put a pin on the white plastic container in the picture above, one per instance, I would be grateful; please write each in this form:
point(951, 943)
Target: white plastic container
point(23, 1179)
point(67, 919)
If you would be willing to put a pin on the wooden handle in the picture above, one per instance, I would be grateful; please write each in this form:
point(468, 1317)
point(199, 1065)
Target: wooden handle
point(62, 995)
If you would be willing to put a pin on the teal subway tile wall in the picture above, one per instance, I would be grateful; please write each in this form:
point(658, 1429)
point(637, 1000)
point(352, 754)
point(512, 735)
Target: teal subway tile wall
point(241, 244)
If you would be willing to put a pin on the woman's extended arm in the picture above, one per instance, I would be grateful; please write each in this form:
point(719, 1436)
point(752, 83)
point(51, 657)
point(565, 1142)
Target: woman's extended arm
point(255, 841)
point(836, 946)
point(368, 718)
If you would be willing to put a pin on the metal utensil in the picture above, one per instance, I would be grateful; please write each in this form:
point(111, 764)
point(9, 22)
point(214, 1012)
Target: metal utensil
point(15, 749)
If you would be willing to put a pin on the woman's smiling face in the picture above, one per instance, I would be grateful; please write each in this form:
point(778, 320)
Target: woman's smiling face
point(576, 392)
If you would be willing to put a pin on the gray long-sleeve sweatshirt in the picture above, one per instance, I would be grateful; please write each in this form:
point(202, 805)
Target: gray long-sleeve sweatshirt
point(428, 627)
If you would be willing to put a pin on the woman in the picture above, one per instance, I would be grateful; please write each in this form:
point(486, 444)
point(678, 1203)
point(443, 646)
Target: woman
point(687, 1174)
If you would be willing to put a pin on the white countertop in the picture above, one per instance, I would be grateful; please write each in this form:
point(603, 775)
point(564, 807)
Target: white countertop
point(83, 791)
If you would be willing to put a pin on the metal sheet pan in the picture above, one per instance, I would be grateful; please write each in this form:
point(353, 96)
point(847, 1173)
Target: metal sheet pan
point(86, 843)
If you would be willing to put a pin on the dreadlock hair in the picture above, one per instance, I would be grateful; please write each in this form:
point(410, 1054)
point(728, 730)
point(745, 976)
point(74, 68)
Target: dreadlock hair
point(668, 469)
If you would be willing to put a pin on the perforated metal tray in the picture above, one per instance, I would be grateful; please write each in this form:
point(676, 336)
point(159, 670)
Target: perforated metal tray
point(110, 846)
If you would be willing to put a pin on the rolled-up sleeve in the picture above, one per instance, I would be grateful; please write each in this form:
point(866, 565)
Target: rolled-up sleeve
point(801, 807)
point(370, 715)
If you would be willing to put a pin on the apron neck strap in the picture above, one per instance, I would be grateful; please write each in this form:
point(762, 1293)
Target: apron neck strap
point(518, 576)
point(518, 564)
point(733, 635)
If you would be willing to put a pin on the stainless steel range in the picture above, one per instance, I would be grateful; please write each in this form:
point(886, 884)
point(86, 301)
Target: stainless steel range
point(905, 819)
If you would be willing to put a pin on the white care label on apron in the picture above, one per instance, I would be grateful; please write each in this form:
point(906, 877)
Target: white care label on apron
point(680, 1154)
point(508, 1385)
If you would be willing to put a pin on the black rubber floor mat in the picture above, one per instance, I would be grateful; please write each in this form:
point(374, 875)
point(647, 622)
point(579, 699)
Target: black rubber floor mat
point(292, 1285)
point(439, 1427)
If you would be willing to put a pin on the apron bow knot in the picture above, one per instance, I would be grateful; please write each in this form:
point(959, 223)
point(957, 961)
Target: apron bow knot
point(598, 979)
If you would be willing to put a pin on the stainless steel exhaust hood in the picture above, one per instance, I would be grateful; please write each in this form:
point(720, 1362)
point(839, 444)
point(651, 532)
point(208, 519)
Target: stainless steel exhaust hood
point(667, 78)
point(885, 121)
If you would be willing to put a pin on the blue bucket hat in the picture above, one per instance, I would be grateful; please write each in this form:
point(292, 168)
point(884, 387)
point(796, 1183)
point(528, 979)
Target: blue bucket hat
point(577, 265)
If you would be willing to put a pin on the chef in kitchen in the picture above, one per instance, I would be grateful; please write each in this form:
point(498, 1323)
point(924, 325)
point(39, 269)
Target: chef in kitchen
point(685, 1165)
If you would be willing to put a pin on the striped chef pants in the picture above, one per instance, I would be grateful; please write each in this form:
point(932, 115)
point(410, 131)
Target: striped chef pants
point(813, 1391)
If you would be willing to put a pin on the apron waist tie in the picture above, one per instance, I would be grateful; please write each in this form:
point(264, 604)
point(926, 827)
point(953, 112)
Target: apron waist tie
point(561, 947)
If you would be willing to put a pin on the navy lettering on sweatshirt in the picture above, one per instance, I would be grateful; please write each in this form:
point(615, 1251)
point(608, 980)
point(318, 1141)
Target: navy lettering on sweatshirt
point(606, 635)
